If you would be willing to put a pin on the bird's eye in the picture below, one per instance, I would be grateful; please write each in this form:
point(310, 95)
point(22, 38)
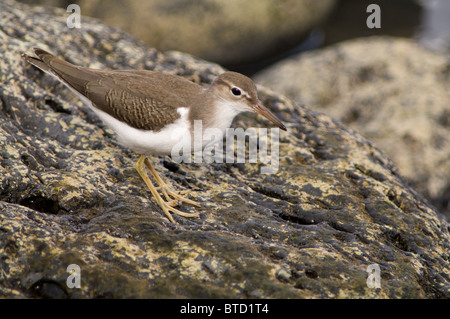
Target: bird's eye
point(236, 91)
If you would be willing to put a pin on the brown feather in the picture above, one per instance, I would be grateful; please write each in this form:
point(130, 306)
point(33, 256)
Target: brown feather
point(143, 99)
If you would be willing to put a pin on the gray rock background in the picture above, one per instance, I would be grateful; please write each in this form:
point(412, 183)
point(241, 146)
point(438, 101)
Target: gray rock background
point(69, 194)
point(227, 32)
point(391, 90)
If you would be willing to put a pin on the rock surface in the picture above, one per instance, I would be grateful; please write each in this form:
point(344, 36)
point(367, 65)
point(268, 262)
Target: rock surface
point(69, 194)
point(229, 32)
point(392, 91)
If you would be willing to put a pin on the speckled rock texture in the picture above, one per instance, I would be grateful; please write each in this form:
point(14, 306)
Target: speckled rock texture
point(392, 91)
point(69, 194)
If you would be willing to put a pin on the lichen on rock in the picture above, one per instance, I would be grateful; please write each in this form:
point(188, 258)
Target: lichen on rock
point(69, 194)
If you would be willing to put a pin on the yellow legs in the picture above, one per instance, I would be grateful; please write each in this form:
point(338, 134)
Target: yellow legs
point(168, 204)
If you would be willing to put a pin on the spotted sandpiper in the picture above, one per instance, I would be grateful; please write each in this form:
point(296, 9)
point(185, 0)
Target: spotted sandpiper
point(151, 111)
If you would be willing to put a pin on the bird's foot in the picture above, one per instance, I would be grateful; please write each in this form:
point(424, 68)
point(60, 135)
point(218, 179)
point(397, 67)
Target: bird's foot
point(172, 198)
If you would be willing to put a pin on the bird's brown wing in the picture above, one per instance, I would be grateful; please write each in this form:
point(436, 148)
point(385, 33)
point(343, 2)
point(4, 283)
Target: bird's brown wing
point(142, 99)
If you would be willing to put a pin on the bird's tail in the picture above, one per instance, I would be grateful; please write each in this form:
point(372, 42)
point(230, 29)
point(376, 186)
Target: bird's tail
point(41, 61)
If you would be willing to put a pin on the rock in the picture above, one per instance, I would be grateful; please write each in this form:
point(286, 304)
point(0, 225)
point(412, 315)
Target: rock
point(231, 32)
point(392, 91)
point(69, 195)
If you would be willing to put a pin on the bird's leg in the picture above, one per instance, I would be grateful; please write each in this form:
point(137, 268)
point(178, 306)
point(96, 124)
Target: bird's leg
point(167, 207)
point(165, 189)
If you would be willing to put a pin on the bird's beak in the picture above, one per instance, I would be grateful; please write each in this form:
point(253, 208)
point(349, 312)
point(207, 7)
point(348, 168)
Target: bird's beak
point(261, 109)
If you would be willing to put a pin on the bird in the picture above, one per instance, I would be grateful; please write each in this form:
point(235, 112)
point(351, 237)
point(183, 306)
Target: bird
point(151, 112)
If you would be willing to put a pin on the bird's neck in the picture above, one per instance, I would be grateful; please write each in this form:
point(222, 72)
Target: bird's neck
point(214, 113)
point(213, 116)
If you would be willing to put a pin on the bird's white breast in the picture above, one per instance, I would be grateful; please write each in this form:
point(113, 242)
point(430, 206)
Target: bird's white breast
point(149, 142)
